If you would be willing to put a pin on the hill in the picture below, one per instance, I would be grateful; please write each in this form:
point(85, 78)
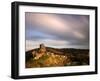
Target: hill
point(49, 57)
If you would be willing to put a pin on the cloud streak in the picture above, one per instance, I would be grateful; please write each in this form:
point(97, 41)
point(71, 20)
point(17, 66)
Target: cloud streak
point(72, 29)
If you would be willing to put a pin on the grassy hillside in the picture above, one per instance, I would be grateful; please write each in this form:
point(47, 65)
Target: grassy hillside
point(58, 57)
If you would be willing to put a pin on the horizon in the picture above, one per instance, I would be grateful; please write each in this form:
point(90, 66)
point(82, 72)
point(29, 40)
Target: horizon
point(56, 48)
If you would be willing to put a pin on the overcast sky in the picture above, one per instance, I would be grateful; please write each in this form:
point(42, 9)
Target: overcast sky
point(56, 30)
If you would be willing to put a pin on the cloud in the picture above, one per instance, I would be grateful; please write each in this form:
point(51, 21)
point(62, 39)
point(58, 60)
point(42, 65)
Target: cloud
point(71, 28)
point(47, 22)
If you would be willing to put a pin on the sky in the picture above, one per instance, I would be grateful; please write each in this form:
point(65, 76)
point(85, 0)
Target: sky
point(56, 30)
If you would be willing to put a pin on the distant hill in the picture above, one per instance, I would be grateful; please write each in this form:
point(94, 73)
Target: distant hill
point(75, 56)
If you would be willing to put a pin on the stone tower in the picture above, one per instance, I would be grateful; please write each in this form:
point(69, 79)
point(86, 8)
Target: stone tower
point(40, 52)
point(42, 48)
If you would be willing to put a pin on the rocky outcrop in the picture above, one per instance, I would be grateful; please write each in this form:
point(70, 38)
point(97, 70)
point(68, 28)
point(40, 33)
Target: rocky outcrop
point(50, 57)
point(41, 51)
